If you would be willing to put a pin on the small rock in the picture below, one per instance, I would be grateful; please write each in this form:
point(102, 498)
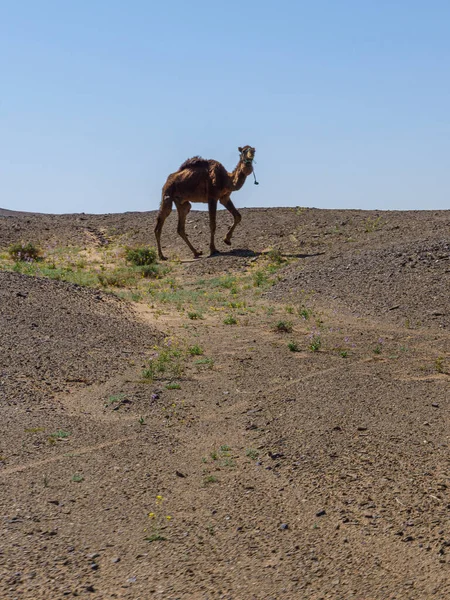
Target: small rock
point(284, 526)
point(94, 566)
point(116, 559)
point(179, 474)
point(276, 455)
point(131, 580)
point(435, 405)
point(90, 588)
point(321, 513)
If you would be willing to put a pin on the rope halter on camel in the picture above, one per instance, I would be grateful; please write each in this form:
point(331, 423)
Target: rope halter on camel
point(249, 161)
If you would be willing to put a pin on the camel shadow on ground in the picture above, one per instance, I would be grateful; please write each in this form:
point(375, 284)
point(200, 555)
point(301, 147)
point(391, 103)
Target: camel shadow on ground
point(246, 253)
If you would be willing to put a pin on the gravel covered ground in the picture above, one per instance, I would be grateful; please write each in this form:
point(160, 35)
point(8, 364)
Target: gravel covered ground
point(319, 473)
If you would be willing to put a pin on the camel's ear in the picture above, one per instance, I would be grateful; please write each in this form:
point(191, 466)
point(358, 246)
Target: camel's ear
point(240, 149)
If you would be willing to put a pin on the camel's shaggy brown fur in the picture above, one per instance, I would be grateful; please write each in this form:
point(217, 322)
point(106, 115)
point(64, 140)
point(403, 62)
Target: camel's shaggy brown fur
point(207, 181)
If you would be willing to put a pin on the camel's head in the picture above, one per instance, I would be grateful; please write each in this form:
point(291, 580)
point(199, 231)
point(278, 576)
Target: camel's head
point(247, 154)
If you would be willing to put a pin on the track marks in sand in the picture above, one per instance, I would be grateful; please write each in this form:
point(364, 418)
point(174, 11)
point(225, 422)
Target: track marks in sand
point(77, 452)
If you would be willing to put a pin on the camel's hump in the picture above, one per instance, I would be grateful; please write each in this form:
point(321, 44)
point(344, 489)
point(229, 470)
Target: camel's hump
point(196, 162)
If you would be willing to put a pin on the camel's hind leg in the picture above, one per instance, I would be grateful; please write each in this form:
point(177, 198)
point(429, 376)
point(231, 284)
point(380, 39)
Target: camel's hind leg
point(164, 211)
point(183, 211)
point(226, 201)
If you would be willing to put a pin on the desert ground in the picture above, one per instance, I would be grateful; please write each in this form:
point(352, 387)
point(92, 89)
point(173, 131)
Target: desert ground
point(269, 423)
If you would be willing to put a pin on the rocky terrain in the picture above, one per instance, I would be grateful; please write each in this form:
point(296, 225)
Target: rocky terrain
point(270, 423)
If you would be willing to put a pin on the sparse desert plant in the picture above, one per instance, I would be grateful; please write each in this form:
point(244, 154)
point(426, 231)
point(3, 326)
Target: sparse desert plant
point(159, 521)
point(304, 313)
point(260, 279)
point(141, 255)
point(195, 315)
point(378, 349)
point(275, 256)
point(150, 271)
point(251, 453)
point(373, 224)
point(205, 361)
point(230, 320)
point(315, 342)
point(195, 350)
point(173, 385)
point(225, 282)
point(284, 326)
point(210, 479)
point(60, 435)
point(168, 362)
point(115, 399)
point(293, 347)
point(121, 278)
point(439, 364)
point(77, 478)
point(24, 252)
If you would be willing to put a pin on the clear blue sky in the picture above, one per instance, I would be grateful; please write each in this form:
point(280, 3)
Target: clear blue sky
point(347, 102)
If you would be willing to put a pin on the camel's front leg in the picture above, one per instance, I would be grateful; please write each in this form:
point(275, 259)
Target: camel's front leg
point(226, 201)
point(212, 207)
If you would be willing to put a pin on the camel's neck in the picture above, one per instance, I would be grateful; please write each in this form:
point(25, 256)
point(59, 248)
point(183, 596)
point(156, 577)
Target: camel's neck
point(240, 174)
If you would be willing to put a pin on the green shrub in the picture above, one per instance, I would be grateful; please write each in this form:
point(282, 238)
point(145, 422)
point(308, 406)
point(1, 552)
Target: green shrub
point(120, 278)
point(284, 326)
point(315, 343)
point(230, 320)
point(195, 350)
point(24, 252)
point(194, 315)
point(149, 271)
point(294, 347)
point(275, 256)
point(140, 256)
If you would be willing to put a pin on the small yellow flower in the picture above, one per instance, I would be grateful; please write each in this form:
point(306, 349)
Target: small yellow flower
point(151, 515)
point(159, 499)
point(168, 517)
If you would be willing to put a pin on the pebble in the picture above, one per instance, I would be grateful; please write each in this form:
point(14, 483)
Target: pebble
point(284, 526)
point(321, 513)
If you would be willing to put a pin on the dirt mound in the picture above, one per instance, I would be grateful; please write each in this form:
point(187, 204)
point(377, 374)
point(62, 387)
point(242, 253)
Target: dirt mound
point(56, 335)
point(406, 283)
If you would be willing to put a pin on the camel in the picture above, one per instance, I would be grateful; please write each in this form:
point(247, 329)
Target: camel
point(207, 181)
